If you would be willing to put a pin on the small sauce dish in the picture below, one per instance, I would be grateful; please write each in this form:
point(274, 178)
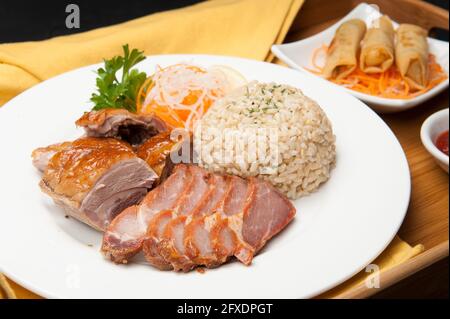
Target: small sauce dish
point(432, 128)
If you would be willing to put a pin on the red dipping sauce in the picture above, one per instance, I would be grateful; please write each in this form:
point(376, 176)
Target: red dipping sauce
point(442, 142)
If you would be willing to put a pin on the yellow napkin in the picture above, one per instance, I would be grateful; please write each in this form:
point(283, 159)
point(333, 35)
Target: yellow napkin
point(245, 28)
point(396, 253)
point(6, 292)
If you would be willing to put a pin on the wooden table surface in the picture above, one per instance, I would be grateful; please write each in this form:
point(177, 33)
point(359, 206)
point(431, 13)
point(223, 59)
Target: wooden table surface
point(427, 219)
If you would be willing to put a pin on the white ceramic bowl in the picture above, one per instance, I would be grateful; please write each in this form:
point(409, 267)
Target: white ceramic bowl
point(431, 128)
point(298, 55)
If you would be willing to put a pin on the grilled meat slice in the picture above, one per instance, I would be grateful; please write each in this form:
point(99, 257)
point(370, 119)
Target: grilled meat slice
point(196, 218)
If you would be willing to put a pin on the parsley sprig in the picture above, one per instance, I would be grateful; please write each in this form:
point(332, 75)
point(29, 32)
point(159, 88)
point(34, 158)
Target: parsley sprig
point(112, 93)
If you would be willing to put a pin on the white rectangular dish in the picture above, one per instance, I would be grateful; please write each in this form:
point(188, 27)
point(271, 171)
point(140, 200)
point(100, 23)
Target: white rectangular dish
point(298, 55)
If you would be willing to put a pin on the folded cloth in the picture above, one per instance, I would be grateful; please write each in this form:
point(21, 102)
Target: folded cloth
point(6, 292)
point(244, 28)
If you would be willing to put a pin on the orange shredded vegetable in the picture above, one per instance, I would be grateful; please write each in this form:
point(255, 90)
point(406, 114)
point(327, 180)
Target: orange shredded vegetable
point(389, 84)
point(191, 104)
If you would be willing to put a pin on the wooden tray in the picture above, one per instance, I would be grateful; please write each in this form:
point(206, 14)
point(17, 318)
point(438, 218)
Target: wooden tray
point(427, 218)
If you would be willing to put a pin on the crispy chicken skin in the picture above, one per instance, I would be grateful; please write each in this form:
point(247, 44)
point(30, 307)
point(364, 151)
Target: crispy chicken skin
point(74, 170)
point(42, 155)
point(155, 151)
point(93, 179)
point(122, 124)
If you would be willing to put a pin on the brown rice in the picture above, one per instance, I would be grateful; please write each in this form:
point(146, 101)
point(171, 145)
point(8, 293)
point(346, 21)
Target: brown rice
point(297, 137)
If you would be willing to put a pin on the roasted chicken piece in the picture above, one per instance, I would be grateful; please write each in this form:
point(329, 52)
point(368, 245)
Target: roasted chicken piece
point(122, 124)
point(196, 218)
point(94, 179)
point(42, 155)
point(156, 150)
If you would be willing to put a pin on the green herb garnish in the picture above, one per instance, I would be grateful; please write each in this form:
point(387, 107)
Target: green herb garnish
point(116, 94)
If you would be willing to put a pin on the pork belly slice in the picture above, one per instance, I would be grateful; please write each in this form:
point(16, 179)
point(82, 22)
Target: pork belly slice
point(220, 186)
point(121, 249)
point(269, 212)
point(213, 237)
point(94, 179)
point(155, 232)
point(223, 239)
point(170, 246)
point(189, 241)
point(253, 212)
point(198, 194)
point(239, 197)
point(236, 204)
point(129, 228)
point(187, 187)
point(209, 241)
point(211, 219)
point(197, 240)
point(120, 123)
point(184, 242)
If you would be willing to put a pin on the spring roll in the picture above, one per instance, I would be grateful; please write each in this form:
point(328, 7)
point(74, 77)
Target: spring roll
point(377, 48)
point(343, 50)
point(411, 55)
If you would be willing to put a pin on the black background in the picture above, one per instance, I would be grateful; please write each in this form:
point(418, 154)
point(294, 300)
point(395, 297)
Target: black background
point(41, 19)
point(293, 308)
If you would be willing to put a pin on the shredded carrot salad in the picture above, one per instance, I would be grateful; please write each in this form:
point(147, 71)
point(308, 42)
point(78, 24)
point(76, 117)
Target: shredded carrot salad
point(180, 94)
point(389, 84)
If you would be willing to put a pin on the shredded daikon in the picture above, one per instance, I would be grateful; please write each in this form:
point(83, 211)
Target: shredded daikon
point(182, 93)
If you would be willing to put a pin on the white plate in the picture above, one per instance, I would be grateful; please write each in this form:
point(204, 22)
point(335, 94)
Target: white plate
point(298, 56)
point(336, 233)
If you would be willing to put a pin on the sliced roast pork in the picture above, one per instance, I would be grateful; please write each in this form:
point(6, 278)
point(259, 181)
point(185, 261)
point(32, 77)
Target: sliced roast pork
point(94, 179)
point(207, 219)
point(124, 237)
point(120, 123)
